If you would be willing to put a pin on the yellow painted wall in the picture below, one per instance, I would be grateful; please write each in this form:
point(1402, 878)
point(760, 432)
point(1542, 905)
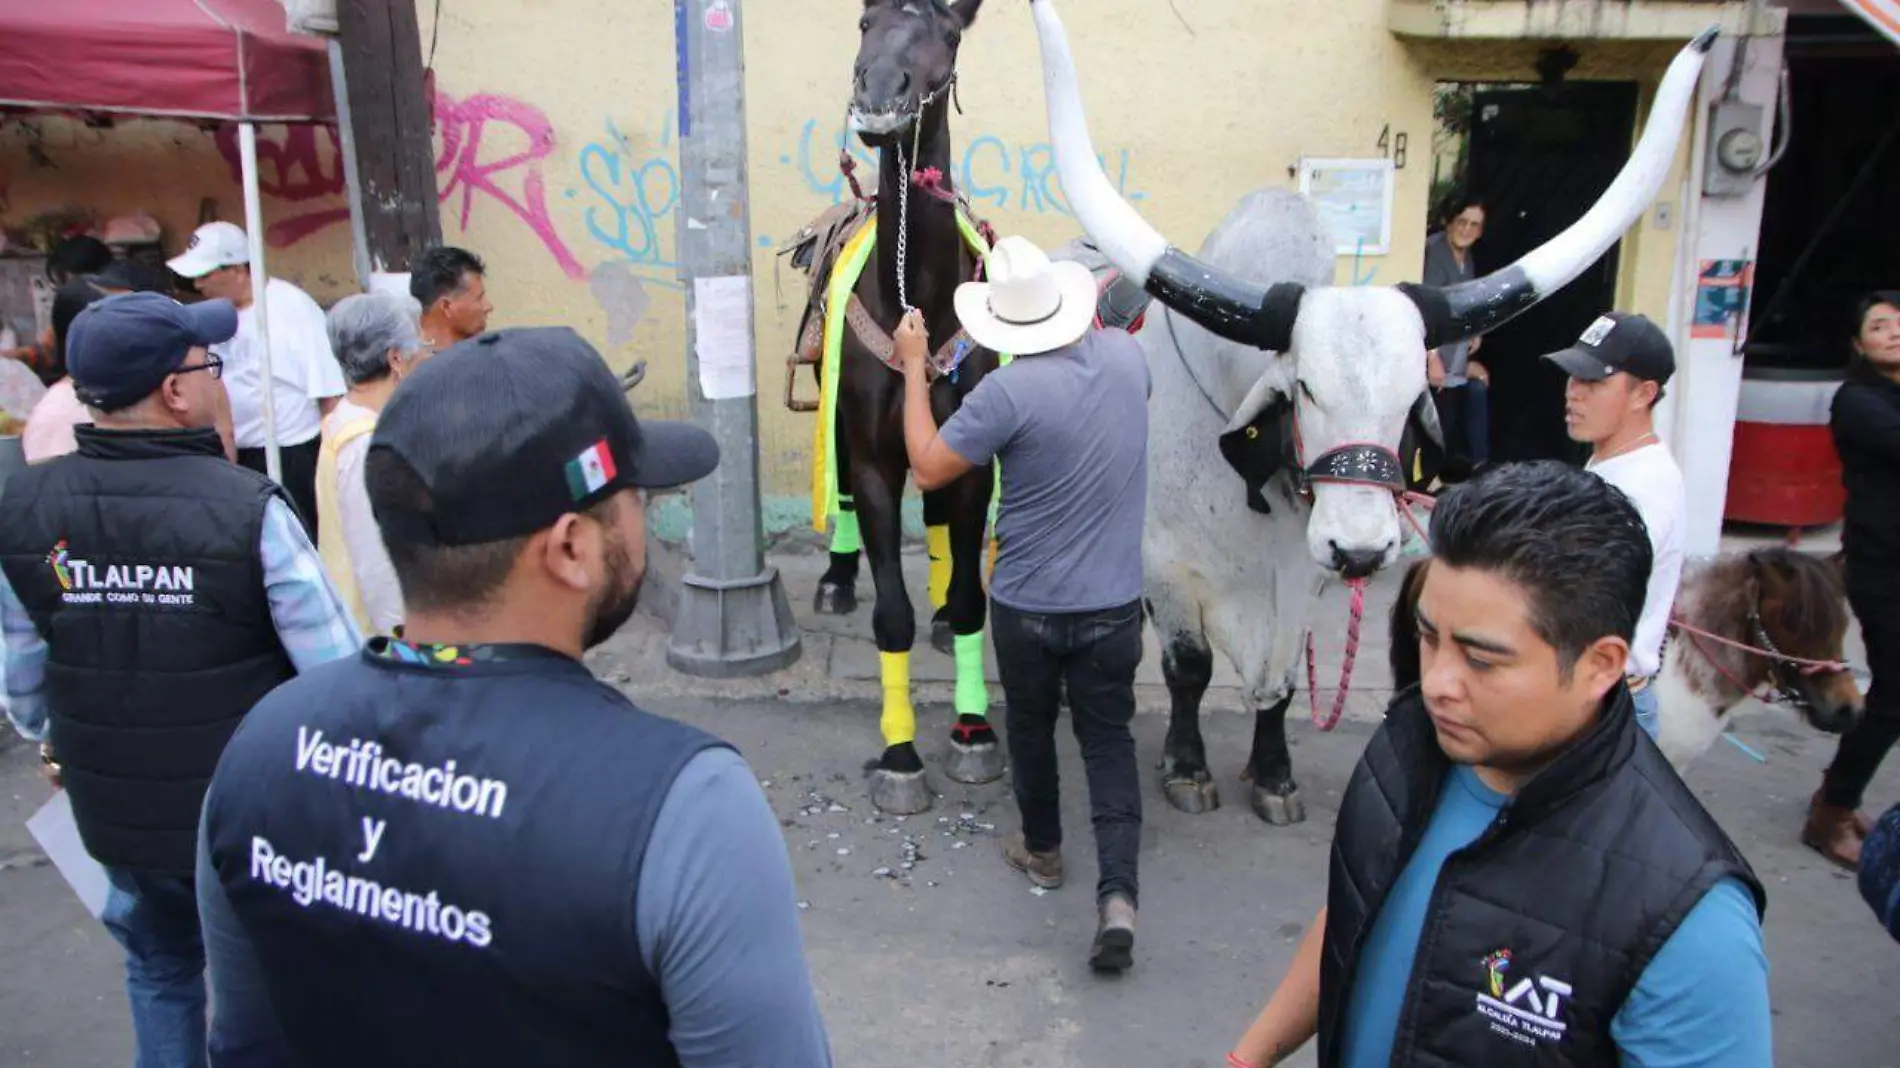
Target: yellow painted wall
point(556, 134)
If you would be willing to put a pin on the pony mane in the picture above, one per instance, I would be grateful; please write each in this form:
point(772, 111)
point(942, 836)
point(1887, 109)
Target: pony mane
point(1722, 593)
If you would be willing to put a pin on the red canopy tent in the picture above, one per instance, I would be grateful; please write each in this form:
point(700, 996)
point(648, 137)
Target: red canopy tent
point(214, 60)
point(211, 59)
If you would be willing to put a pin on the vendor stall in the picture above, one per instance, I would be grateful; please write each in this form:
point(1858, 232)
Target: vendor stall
point(194, 60)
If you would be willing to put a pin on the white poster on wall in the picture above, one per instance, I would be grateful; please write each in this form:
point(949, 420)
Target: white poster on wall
point(1353, 198)
point(722, 336)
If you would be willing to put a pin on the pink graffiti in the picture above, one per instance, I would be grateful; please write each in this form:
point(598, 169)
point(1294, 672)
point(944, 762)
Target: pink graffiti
point(293, 170)
point(459, 166)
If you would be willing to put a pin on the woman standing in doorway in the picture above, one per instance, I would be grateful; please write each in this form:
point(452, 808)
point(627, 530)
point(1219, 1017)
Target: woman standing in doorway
point(1460, 384)
point(1866, 424)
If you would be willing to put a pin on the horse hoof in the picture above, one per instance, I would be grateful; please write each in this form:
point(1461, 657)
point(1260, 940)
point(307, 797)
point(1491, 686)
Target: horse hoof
point(974, 765)
point(942, 639)
point(1277, 810)
point(1192, 794)
point(900, 793)
point(834, 600)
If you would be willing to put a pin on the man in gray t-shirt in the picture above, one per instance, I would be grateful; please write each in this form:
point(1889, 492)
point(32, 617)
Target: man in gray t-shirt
point(1068, 422)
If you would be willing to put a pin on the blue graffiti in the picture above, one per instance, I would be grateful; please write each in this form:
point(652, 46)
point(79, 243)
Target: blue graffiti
point(640, 195)
point(991, 172)
point(1358, 257)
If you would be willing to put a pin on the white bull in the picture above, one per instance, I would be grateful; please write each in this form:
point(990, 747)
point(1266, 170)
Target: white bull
point(1308, 390)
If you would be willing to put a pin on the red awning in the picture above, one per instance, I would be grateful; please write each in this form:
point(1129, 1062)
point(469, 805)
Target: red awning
point(1882, 15)
point(198, 59)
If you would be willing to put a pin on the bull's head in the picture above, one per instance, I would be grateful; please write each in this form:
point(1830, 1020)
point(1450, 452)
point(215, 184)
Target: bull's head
point(1352, 377)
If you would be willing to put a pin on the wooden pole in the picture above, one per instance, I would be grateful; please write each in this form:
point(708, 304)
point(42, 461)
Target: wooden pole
point(389, 112)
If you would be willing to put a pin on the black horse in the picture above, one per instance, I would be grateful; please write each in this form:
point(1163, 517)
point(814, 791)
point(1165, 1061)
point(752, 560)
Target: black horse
point(903, 87)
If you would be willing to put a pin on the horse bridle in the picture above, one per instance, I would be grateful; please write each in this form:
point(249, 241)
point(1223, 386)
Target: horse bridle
point(1782, 690)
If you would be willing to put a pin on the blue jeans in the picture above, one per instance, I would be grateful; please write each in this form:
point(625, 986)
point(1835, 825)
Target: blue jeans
point(1464, 414)
point(1645, 703)
point(1093, 655)
point(1477, 438)
point(155, 918)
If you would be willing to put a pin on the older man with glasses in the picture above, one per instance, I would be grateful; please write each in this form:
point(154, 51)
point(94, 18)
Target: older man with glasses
point(153, 592)
point(378, 341)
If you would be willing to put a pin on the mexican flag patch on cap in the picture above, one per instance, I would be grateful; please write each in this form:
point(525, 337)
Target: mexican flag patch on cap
point(591, 470)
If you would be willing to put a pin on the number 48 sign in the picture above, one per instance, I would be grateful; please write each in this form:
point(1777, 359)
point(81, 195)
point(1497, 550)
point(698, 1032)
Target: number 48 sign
point(1392, 146)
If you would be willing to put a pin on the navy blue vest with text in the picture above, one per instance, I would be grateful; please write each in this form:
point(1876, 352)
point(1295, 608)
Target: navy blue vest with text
point(436, 851)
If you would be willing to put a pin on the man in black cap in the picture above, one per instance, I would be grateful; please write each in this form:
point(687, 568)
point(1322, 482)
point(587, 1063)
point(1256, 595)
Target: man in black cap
point(153, 591)
point(459, 847)
point(1617, 370)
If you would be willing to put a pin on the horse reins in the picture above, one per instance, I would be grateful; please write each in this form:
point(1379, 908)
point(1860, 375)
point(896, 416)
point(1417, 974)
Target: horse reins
point(848, 167)
point(1779, 692)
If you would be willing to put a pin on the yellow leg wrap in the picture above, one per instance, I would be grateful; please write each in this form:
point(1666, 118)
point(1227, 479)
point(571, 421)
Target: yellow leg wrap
point(899, 722)
point(937, 542)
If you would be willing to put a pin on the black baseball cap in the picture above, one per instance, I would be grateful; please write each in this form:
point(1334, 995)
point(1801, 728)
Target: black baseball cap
point(130, 275)
point(118, 350)
point(1618, 341)
point(506, 432)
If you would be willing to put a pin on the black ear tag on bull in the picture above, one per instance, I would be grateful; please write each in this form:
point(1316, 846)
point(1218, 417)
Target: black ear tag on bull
point(1256, 452)
point(1422, 449)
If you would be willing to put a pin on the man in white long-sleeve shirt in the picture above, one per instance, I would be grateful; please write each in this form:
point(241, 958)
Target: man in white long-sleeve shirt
point(1617, 370)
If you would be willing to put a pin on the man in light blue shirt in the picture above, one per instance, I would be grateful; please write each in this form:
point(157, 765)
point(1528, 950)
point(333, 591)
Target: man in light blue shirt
point(151, 592)
point(1518, 876)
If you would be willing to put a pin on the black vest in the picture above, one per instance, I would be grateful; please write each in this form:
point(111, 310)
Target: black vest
point(511, 798)
point(137, 558)
point(1537, 931)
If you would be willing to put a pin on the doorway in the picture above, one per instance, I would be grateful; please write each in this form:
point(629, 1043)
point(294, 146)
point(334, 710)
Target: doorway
point(1538, 156)
point(1830, 229)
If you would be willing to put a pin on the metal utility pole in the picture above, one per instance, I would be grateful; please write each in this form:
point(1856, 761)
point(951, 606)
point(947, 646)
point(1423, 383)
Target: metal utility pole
point(388, 131)
point(733, 617)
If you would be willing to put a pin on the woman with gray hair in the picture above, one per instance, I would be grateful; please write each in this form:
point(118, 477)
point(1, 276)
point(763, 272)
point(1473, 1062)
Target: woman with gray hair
point(378, 341)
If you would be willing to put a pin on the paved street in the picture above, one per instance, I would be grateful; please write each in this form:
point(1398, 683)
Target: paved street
point(959, 964)
point(954, 962)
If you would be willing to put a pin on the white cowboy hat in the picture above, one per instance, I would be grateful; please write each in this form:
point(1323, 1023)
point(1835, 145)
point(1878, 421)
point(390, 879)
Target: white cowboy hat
point(1030, 304)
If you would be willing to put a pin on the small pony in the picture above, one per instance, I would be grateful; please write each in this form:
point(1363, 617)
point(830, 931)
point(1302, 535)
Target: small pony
point(1768, 624)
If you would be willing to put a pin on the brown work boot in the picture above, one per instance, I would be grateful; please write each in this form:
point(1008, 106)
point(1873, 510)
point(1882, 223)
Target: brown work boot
point(1114, 949)
point(1834, 832)
point(1043, 869)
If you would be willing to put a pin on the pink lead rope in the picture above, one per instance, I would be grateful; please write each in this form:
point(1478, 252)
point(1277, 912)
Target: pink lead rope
point(1329, 720)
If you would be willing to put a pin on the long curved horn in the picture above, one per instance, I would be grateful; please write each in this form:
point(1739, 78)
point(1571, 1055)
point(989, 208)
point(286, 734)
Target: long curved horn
point(1227, 305)
point(1474, 307)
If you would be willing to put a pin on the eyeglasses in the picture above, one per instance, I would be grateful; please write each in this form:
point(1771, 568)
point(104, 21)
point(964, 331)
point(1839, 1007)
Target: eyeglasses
point(213, 364)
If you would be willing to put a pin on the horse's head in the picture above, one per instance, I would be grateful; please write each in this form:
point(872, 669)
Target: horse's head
point(1800, 607)
point(1353, 366)
point(907, 62)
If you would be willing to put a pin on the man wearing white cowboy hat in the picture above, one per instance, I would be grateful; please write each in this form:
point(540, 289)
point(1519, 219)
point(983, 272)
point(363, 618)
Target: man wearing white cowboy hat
point(1069, 421)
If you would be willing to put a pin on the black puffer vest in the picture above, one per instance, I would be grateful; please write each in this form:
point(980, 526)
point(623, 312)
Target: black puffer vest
point(1537, 931)
point(137, 558)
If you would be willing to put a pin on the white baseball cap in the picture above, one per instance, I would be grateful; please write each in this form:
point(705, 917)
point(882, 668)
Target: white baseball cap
point(213, 245)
